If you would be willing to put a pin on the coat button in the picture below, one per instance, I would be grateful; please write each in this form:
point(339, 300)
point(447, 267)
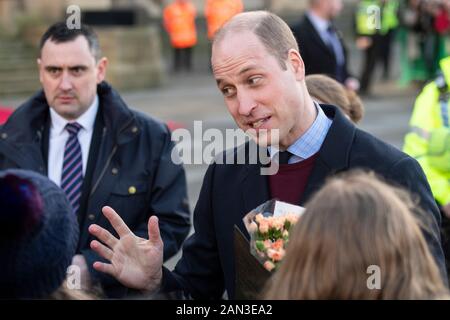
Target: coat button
point(134, 129)
point(132, 190)
point(114, 171)
point(91, 217)
point(4, 135)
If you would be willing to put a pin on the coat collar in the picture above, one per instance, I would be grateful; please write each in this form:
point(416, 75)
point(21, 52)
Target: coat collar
point(333, 157)
point(34, 113)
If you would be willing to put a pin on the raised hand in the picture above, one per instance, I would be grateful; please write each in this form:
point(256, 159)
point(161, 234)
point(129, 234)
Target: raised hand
point(134, 261)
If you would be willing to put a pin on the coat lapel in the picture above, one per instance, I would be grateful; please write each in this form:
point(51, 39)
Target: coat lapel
point(334, 153)
point(317, 38)
point(255, 191)
point(107, 171)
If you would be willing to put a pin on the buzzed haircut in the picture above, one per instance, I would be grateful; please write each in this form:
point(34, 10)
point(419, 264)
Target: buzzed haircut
point(271, 30)
point(60, 33)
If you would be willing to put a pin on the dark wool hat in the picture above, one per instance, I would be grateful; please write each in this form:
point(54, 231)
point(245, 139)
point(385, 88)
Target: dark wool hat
point(38, 235)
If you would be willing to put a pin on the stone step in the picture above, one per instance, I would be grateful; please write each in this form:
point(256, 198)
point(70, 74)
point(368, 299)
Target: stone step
point(18, 81)
point(18, 55)
point(24, 71)
point(19, 88)
point(18, 69)
point(18, 66)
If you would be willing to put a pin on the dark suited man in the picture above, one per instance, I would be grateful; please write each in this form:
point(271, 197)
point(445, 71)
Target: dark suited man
point(261, 75)
point(80, 133)
point(321, 44)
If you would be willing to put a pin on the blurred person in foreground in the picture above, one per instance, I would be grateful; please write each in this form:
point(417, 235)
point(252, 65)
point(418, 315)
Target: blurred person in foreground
point(324, 89)
point(261, 75)
point(38, 238)
point(79, 132)
point(362, 242)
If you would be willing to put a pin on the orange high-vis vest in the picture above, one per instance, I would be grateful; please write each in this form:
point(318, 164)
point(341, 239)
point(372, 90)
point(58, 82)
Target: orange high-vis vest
point(179, 21)
point(217, 12)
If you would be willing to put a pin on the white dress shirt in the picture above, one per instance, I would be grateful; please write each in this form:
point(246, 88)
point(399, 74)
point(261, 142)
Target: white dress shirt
point(59, 136)
point(311, 141)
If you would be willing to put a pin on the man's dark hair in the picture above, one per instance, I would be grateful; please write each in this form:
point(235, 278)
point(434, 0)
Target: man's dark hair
point(59, 32)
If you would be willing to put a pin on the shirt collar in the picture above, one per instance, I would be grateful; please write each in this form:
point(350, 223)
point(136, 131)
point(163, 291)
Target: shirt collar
point(311, 141)
point(319, 23)
point(86, 120)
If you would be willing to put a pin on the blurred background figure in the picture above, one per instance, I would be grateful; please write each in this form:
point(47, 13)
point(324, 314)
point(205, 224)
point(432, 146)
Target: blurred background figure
point(217, 12)
point(389, 16)
point(375, 23)
point(429, 142)
point(38, 238)
point(357, 228)
point(425, 26)
point(179, 22)
point(324, 89)
point(5, 112)
point(321, 44)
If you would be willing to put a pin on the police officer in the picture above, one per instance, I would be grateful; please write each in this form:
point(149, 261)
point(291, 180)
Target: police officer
point(429, 142)
point(375, 21)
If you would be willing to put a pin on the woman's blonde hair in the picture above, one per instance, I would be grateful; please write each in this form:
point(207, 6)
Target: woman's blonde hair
point(327, 90)
point(354, 222)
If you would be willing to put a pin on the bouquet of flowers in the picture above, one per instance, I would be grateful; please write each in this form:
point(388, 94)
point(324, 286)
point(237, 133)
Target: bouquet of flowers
point(269, 226)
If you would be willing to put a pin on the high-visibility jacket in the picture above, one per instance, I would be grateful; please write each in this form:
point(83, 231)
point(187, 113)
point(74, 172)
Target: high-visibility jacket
point(179, 21)
point(429, 138)
point(373, 17)
point(217, 12)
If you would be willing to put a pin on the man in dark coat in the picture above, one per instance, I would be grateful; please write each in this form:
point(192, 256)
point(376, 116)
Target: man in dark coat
point(261, 75)
point(321, 44)
point(81, 134)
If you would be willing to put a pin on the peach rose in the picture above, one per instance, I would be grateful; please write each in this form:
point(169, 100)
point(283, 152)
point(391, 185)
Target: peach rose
point(263, 227)
point(269, 265)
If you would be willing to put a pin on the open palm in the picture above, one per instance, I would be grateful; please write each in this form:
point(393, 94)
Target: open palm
point(134, 261)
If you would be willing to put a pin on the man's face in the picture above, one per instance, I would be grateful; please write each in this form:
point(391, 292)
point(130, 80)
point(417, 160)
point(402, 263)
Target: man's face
point(69, 76)
point(335, 8)
point(258, 93)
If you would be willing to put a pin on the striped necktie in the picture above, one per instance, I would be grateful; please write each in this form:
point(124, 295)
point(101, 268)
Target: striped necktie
point(72, 172)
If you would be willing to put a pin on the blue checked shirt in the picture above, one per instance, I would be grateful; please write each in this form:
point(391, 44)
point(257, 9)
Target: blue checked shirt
point(311, 141)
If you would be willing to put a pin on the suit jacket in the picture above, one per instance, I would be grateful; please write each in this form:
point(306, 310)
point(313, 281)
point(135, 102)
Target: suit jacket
point(230, 191)
point(317, 56)
point(129, 169)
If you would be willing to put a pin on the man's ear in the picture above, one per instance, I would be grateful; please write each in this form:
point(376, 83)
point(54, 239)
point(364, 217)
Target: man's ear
point(102, 64)
point(296, 62)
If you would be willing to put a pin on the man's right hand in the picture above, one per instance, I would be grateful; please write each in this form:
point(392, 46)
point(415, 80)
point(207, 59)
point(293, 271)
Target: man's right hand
point(134, 261)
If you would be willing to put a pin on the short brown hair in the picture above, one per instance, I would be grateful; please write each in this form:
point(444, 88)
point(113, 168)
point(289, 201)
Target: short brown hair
point(353, 222)
point(328, 90)
point(271, 30)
